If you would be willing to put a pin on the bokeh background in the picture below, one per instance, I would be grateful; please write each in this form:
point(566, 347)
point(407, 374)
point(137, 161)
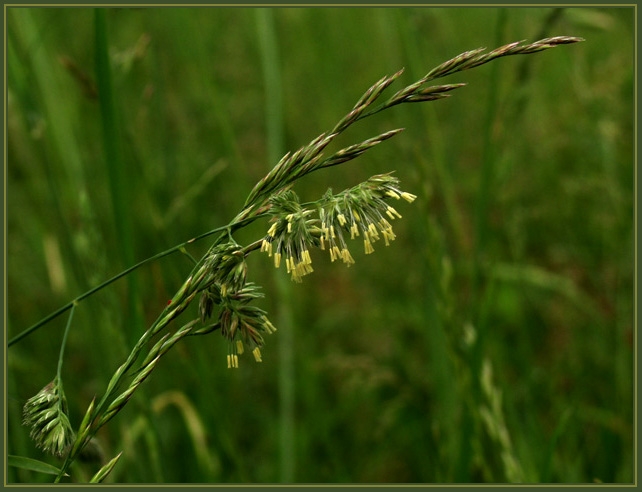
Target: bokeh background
point(491, 342)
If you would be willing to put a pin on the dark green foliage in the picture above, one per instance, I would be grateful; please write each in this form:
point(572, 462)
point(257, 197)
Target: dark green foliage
point(398, 362)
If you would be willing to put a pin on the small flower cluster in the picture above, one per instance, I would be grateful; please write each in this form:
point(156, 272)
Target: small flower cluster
point(360, 211)
point(291, 234)
point(240, 323)
point(46, 414)
point(243, 324)
point(227, 262)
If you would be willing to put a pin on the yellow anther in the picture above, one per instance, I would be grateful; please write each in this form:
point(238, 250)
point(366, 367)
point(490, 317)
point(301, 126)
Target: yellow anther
point(392, 211)
point(368, 246)
point(307, 257)
point(409, 197)
point(347, 257)
point(269, 327)
point(257, 354)
point(392, 194)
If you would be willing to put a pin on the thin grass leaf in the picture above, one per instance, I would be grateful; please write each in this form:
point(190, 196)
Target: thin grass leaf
point(101, 475)
point(32, 465)
point(117, 170)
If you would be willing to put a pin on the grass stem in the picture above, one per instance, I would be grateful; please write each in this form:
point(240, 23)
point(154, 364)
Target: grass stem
point(275, 140)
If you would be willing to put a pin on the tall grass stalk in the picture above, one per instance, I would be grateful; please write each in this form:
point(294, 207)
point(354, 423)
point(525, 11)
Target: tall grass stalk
point(274, 126)
point(120, 184)
point(437, 260)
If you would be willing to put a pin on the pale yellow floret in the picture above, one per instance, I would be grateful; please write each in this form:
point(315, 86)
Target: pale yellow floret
point(257, 354)
point(373, 231)
point(269, 327)
point(354, 231)
point(386, 228)
point(266, 246)
point(337, 253)
point(342, 219)
point(272, 230)
point(392, 194)
point(296, 271)
point(409, 197)
point(306, 257)
point(289, 264)
point(322, 243)
point(235, 360)
point(356, 216)
point(229, 361)
point(289, 226)
point(388, 236)
point(277, 260)
point(392, 212)
point(223, 290)
point(303, 268)
point(332, 231)
point(368, 246)
point(239, 346)
point(347, 257)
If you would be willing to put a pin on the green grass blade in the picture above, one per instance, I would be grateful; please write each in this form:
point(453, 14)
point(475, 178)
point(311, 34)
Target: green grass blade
point(119, 178)
point(274, 124)
point(102, 474)
point(31, 464)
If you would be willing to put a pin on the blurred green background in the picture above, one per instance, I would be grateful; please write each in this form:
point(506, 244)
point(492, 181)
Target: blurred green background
point(491, 342)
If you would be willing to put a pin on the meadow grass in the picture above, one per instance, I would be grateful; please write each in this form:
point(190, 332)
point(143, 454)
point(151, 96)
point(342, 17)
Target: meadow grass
point(491, 342)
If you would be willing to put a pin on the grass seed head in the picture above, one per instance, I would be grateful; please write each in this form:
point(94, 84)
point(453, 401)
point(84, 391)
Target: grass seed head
point(46, 414)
